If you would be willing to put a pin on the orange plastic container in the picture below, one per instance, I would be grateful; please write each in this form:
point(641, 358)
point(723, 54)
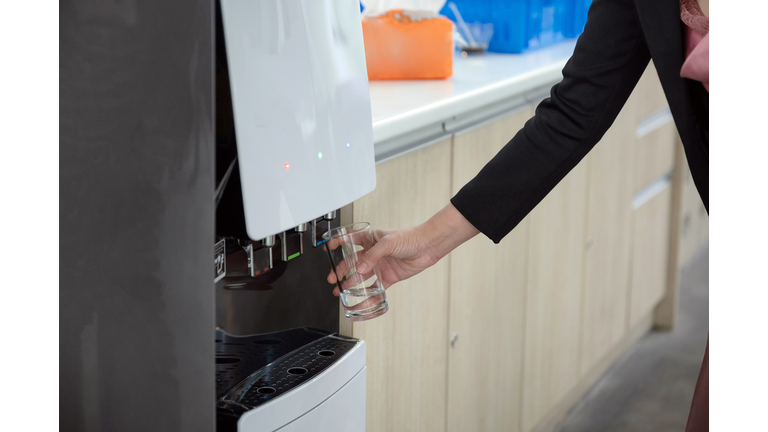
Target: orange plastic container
point(400, 48)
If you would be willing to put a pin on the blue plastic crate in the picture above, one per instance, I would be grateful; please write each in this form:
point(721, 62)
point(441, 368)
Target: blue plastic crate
point(523, 25)
point(526, 24)
point(575, 17)
point(513, 25)
point(471, 11)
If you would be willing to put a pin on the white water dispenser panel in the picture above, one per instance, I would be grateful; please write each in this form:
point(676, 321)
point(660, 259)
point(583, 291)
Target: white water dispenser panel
point(301, 107)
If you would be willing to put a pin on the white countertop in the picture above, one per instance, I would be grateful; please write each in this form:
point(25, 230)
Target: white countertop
point(400, 107)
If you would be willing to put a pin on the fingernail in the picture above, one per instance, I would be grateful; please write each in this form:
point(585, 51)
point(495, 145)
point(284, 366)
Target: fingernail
point(362, 267)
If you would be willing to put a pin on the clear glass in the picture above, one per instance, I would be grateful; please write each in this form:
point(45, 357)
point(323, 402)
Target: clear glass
point(362, 294)
point(481, 37)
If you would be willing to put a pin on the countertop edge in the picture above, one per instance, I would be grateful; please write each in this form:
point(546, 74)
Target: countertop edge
point(515, 86)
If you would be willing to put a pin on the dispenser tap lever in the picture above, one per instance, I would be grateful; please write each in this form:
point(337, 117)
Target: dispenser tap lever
point(291, 245)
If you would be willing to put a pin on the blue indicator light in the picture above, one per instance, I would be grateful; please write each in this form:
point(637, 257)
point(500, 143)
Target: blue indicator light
point(347, 145)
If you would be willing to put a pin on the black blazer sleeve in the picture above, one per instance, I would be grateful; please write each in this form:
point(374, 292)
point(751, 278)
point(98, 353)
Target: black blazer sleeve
point(610, 56)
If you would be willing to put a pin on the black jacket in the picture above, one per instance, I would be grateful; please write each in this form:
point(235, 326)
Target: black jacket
point(619, 39)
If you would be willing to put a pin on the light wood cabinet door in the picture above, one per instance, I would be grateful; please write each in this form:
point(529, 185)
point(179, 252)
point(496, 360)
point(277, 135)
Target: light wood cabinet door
point(487, 303)
point(649, 94)
point(407, 347)
point(650, 253)
point(654, 155)
point(554, 296)
point(609, 229)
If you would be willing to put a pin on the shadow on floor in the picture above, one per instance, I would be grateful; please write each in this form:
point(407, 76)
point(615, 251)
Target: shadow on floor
point(651, 386)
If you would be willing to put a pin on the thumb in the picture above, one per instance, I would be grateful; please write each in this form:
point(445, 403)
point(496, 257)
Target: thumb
point(382, 248)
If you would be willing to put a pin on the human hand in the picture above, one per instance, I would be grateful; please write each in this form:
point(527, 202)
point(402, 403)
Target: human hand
point(397, 255)
point(401, 254)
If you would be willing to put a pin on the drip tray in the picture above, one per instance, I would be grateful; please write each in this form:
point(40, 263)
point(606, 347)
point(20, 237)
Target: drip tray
point(252, 370)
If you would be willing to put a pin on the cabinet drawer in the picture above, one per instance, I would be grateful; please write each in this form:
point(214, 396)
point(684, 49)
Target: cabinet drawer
point(654, 155)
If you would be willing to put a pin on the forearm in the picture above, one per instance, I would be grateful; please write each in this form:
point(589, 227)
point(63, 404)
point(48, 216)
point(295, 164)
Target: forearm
point(609, 58)
point(445, 231)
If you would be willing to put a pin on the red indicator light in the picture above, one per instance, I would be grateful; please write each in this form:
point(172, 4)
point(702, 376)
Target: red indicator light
point(287, 166)
point(257, 272)
point(266, 268)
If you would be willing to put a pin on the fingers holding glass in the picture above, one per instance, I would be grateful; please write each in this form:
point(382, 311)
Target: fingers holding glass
point(361, 293)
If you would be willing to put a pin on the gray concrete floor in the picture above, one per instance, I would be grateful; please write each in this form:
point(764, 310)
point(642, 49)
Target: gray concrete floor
point(651, 386)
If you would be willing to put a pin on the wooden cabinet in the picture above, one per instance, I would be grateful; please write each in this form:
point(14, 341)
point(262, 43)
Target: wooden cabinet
point(649, 94)
point(407, 347)
point(487, 303)
point(688, 233)
point(608, 239)
point(507, 337)
point(654, 279)
point(650, 247)
point(654, 155)
point(553, 312)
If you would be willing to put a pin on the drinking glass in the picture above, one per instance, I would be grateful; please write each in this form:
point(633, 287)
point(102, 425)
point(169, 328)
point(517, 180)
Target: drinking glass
point(362, 294)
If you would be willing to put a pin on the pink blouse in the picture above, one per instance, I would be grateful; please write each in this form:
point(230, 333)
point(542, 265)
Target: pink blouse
point(696, 39)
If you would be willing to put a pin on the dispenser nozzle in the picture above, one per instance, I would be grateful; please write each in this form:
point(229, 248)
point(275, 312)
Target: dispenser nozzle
point(268, 241)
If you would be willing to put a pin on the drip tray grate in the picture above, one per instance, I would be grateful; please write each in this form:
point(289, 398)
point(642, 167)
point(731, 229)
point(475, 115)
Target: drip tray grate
point(256, 369)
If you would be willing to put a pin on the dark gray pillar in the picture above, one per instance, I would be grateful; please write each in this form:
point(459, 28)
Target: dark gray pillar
point(136, 216)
